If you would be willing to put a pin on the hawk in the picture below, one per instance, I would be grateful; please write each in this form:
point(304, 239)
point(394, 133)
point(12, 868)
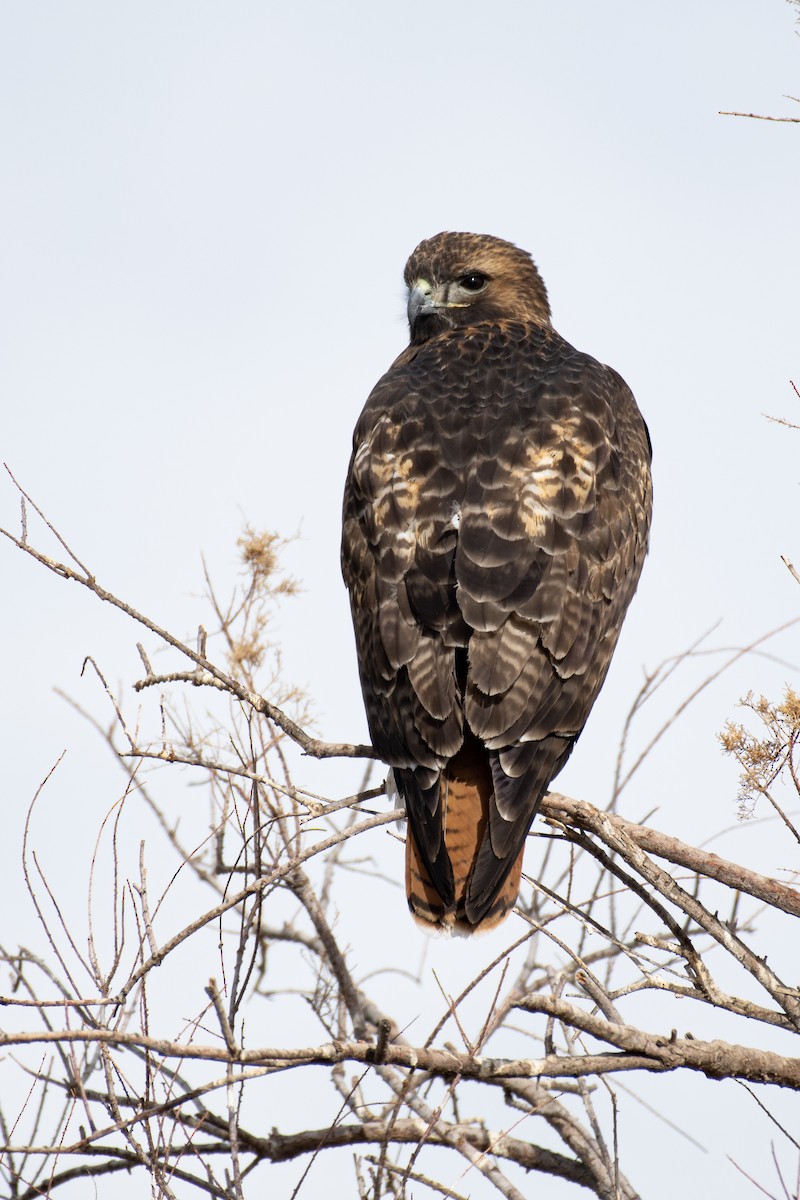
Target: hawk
point(496, 518)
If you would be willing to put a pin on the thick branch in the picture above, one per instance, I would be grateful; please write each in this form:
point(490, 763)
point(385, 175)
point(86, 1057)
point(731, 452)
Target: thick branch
point(281, 1147)
point(614, 834)
point(776, 894)
point(638, 1051)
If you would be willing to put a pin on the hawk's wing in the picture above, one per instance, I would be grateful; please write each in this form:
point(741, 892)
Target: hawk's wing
point(496, 519)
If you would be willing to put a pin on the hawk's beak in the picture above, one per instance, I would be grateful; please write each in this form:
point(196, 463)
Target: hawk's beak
point(425, 299)
point(421, 301)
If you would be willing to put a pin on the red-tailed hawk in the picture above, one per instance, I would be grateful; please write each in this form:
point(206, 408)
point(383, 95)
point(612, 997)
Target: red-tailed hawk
point(496, 517)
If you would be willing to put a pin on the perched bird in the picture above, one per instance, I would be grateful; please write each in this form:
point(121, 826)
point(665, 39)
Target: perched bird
point(496, 518)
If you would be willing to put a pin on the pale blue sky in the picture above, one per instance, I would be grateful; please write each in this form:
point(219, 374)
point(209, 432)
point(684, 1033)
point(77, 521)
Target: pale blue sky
point(206, 210)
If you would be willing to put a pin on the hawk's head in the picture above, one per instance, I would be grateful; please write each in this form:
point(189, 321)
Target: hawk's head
point(459, 279)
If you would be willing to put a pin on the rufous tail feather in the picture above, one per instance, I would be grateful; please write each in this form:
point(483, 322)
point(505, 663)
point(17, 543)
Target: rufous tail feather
point(466, 793)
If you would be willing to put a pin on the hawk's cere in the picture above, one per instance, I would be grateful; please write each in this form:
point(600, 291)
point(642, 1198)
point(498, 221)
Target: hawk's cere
point(496, 517)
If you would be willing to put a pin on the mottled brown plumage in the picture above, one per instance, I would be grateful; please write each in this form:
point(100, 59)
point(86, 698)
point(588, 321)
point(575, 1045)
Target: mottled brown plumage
point(496, 517)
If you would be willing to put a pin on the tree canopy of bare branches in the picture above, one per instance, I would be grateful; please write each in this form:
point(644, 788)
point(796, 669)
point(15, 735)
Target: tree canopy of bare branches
point(226, 991)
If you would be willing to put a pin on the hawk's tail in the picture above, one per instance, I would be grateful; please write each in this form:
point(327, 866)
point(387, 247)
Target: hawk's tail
point(466, 798)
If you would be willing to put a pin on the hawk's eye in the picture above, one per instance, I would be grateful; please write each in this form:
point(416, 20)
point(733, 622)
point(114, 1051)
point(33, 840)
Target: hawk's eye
point(473, 282)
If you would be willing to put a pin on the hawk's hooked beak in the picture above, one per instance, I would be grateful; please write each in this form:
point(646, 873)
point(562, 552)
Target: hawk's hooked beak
point(423, 300)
